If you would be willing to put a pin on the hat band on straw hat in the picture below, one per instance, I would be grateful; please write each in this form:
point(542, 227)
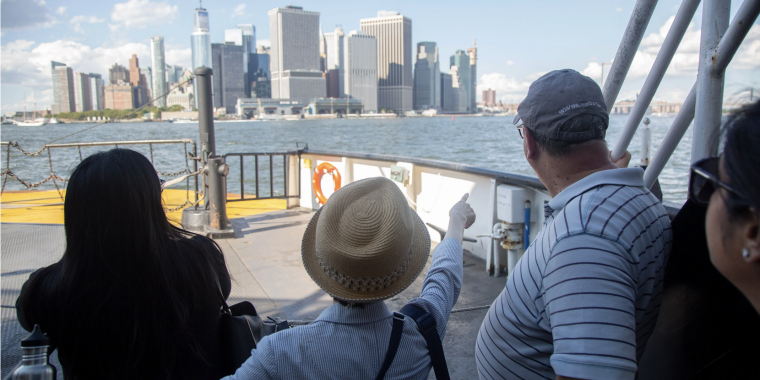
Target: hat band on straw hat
point(365, 284)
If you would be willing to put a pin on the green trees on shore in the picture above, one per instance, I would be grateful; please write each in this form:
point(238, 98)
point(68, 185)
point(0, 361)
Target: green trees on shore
point(119, 114)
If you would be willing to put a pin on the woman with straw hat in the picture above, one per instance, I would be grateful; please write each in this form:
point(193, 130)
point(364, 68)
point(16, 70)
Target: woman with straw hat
point(363, 246)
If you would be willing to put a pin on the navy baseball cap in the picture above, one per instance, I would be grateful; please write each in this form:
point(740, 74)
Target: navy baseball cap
point(557, 97)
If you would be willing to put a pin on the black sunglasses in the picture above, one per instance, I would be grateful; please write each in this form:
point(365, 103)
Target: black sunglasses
point(520, 131)
point(704, 181)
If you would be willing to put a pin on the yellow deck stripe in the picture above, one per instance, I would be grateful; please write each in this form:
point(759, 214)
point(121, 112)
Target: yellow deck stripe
point(45, 207)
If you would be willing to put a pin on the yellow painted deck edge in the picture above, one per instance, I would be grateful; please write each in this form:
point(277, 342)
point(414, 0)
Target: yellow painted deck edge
point(53, 214)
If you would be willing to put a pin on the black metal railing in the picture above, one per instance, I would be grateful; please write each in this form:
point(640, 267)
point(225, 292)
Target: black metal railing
point(270, 160)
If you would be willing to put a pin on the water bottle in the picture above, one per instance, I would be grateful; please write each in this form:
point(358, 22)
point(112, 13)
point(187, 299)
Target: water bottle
point(34, 359)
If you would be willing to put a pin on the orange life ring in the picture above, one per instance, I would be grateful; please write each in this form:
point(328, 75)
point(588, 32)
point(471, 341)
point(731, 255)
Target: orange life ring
point(321, 169)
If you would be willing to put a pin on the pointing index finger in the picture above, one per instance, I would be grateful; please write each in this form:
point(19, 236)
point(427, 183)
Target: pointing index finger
point(465, 197)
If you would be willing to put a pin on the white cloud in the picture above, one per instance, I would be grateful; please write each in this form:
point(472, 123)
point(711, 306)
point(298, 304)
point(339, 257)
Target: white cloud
point(78, 20)
point(510, 63)
point(533, 76)
point(141, 14)
point(508, 89)
point(266, 43)
point(24, 14)
point(178, 56)
point(239, 11)
point(748, 55)
point(60, 11)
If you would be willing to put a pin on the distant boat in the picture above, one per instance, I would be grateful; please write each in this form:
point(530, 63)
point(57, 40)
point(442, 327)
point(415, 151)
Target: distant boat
point(37, 122)
point(184, 121)
point(53, 121)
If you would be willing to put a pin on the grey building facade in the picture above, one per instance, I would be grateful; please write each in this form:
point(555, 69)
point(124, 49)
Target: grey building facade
point(118, 73)
point(461, 61)
point(427, 73)
point(82, 92)
point(63, 88)
point(394, 59)
point(228, 81)
point(158, 64)
point(360, 67)
point(98, 92)
point(334, 62)
point(295, 70)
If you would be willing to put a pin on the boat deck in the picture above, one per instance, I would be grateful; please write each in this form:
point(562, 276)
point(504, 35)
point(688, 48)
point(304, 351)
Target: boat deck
point(264, 260)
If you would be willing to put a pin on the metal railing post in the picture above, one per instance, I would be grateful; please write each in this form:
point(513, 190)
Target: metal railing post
point(634, 32)
point(660, 66)
point(709, 106)
point(729, 44)
point(212, 219)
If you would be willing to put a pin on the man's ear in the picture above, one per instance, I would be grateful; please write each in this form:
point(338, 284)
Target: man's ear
point(531, 145)
point(751, 237)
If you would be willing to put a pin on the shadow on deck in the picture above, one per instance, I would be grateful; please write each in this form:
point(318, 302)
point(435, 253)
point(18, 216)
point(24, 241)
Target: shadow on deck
point(264, 260)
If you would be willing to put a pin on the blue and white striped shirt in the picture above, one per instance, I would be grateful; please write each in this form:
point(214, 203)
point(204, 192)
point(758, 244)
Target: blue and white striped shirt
point(584, 298)
point(351, 342)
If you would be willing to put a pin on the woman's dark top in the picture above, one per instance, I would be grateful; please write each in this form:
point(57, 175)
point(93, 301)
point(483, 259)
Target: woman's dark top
point(92, 340)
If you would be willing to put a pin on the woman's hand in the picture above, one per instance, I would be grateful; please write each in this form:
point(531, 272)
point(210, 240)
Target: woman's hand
point(461, 217)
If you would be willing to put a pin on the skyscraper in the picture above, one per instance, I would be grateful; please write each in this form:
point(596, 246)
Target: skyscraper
point(460, 95)
point(200, 42)
point(63, 88)
point(394, 59)
point(137, 80)
point(118, 73)
point(294, 55)
point(82, 92)
point(427, 73)
point(447, 93)
point(248, 40)
point(97, 88)
point(334, 63)
point(158, 63)
point(461, 61)
point(489, 98)
point(147, 73)
point(228, 79)
point(360, 67)
point(473, 53)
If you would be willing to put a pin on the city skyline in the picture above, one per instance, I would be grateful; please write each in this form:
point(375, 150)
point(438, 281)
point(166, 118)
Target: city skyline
point(90, 37)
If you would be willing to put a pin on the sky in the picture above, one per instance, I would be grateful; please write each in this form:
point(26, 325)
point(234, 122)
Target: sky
point(517, 40)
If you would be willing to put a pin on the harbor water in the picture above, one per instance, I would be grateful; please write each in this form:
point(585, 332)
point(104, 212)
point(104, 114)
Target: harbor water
point(488, 142)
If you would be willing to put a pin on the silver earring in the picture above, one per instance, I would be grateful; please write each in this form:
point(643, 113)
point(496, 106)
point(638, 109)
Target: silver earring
point(745, 253)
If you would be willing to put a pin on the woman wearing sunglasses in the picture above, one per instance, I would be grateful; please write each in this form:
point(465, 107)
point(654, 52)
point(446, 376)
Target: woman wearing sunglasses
point(730, 187)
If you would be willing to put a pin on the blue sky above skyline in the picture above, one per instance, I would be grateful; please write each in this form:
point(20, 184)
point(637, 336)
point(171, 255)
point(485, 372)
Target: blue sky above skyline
point(517, 40)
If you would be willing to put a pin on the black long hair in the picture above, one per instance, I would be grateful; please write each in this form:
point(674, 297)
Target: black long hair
point(741, 158)
point(139, 293)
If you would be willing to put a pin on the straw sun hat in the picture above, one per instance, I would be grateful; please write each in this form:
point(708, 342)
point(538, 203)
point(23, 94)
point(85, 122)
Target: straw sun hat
point(365, 244)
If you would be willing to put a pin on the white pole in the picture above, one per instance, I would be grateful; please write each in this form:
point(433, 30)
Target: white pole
point(660, 66)
point(709, 105)
point(646, 142)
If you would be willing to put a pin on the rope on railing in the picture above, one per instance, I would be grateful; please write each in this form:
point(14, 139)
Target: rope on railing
point(184, 174)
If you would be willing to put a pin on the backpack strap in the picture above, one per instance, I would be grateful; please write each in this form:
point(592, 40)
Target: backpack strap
point(398, 328)
point(426, 324)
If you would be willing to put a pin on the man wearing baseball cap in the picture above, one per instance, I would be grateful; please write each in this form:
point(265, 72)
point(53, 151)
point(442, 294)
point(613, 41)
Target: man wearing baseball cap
point(584, 298)
point(363, 246)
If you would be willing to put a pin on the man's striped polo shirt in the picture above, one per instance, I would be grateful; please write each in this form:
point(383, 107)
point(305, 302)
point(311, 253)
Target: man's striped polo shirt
point(584, 298)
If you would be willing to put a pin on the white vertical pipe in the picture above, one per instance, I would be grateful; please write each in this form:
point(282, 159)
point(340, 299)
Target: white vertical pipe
point(672, 138)
point(646, 142)
point(660, 66)
point(634, 32)
point(709, 105)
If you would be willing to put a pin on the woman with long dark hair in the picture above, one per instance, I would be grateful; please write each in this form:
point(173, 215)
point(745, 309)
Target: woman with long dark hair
point(133, 296)
point(730, 185)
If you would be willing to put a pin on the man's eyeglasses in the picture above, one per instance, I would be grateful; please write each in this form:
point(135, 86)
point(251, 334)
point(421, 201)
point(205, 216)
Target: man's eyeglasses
point(520, 131)
point(162, 182)
point(704, 181)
